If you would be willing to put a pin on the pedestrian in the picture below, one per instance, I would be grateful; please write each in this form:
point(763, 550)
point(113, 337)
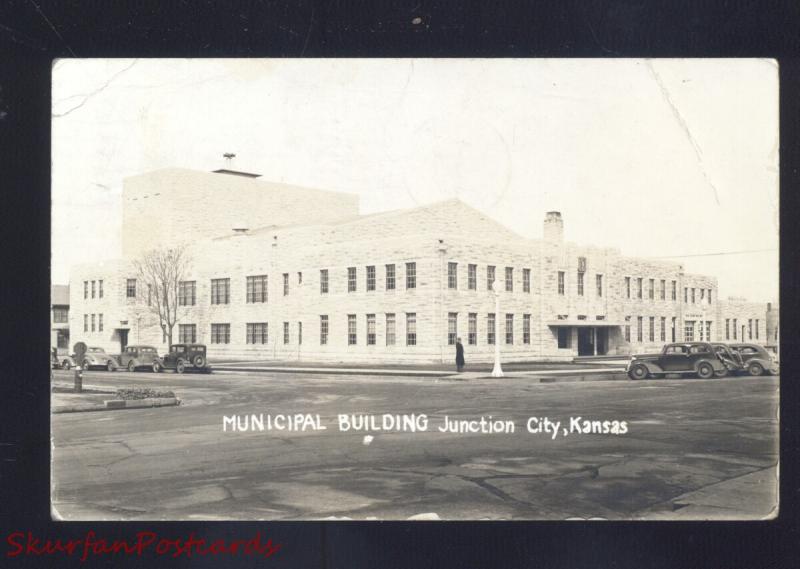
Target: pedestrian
point(459, 355)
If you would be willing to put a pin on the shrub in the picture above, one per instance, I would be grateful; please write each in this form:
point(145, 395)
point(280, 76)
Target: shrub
point(142, 393)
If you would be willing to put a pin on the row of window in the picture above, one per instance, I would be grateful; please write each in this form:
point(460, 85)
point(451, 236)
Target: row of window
point(96, 322)
point(472, 277)
point(651, 289)
point(651, 329)
point(736, 331)
point(258, 332)
point(96, 288)
point(598, 281)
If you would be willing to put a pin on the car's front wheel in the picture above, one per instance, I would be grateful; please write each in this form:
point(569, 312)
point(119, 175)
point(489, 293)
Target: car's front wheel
point(156, 367)
point(66, 365)
point(638, 371)
point(131, 367)
point(180, 367)
point(705, 371)
point(755, 368)
point(110, 366)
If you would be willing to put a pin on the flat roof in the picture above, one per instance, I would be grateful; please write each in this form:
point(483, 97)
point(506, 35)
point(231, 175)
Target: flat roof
point(237, 173)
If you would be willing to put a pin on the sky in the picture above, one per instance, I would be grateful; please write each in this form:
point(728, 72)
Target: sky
point(659, 158)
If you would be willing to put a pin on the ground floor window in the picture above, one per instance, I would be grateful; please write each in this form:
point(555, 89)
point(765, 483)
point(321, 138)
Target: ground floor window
point(688, 331)
point(323, 329)
point(727, 328)
point(526, 328)
point(187, 333)
point(299, 332)
point(411, 328)
point(285, 332)
point(390, 329)
point(371, 329)
point(708, 331)
point(452, 328)
point(472, 329)
point(490, 325)
point(652, 335)
point(509, 328)
point(663, 328)
point(62, 338)
point(674, 327)
point(627, 328)
point(351, 330)
point(564, 337)
point(220, 333)
point(639, 320)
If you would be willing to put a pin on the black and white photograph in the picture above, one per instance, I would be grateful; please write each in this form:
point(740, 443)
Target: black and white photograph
point(414, 289)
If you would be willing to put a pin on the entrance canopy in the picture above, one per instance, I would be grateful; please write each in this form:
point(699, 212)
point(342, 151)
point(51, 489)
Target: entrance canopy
point(585, 323)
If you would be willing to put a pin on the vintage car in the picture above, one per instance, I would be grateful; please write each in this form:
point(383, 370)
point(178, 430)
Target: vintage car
point(730, 358)
point(67, 361)
point(183, 358)
point(696, 358)
point(97, 357)
point(136, 357)
point(756, 359)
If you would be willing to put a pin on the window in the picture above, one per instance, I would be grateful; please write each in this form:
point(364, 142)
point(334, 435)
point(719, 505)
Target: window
point(299, 333)
point(452, 275)
point(580, 284)
point(709, 296)
point(299, 278)
point(490, 325)
point(651, 289)
point(220, 333)
point(257, 333)
point(323, 281)
point(411, 328)
point(351, 279)
point(86, 289)
point(351, 330)
point(130, 288)
point(371, 277)
point(452, 328)
point(149, 294)
point(472, 277)
point(599, 284)
point(526, 280)
point(390, 329)
point(639, 320)
point(673, 328)
point(411, 282)
point(686, 295)
point(390, 277)
point(663, 328)
point(187, 293)
point(93, 288)
point(639, 287)
point(60, 315)
point(323, 329)
point(749, 327)
point(674, 290)
point(472, 329)
point(220, 291)
point(526, 328)
point(708, 331)
point(285, 332)
point(627, 328)
point(93, 326)
point(561, 282)
point(735, 326)
point(702, 294)
point(563, 338)
point(509, 279)
point(256, 289)
point(756, 328)
point(509, 328)
point(688, 331)
point(370, 329)
point(85, 322)
point(627, 287)
point(693, 297)
point(652, 335)
point(727, 328)
point(285, 284)
point(100, 323)
point(187, 333)
point(663, 294)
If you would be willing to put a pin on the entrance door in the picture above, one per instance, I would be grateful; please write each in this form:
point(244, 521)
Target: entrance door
point(585, 341)
point(123, 340)
point(602, 341)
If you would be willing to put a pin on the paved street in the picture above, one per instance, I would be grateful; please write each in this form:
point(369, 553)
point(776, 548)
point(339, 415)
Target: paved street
point(693, 449)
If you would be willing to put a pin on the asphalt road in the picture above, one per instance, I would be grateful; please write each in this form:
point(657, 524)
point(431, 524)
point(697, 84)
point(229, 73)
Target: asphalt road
point(694, 449)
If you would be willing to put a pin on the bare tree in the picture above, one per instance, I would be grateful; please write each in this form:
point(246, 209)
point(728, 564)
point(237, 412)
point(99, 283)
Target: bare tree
point(162, 270)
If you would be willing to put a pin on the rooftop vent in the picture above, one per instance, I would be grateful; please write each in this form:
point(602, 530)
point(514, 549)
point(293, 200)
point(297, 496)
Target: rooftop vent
point(237, 173)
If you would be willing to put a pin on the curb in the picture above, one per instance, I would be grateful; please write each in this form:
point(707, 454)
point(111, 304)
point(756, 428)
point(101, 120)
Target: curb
point(120, 404)
point(338, 371)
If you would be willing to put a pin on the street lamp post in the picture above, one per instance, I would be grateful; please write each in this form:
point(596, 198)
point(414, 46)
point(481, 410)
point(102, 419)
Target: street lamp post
point(497, 371)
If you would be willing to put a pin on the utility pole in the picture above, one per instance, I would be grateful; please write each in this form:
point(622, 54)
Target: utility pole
point(497, 370)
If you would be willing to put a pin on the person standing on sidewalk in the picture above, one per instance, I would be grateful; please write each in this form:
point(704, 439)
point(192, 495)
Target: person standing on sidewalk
point(459, 355)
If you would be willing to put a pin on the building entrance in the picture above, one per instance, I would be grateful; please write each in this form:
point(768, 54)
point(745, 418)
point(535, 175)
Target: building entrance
point(123, 340)
point(592, 341)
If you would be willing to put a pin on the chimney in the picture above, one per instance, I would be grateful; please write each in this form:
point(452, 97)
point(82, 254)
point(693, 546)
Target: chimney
point(553, 227)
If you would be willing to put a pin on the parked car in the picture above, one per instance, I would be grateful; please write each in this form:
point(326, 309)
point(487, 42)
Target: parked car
point(136, 357)
point(183, 358)
point(67, 362)
point(97, 357)
point(756, 359)
point(696, 358)
point(730, 358)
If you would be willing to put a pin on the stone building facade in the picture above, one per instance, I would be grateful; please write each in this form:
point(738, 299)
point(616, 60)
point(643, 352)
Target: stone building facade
point(294, 274)
point(59, 318)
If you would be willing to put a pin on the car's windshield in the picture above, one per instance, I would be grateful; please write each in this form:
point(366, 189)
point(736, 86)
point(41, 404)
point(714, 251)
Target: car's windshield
point(147, 349)
point(95, 350)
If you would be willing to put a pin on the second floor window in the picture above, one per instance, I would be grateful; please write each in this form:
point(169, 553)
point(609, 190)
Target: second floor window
point(489, 276)
point(526, 280)
point(256, 289)
point(60, 315)
point(86, 289)
point(130, 288)
point(285, 284)
point(509, 279)
point(663, 289)
point(561, 282)
point(651, 292)
point(351, 279)
point(599, 279)
point(472, 277)
point(674, 290)
point(627, 287)
point(371, 277)
point(187, 293)
point(323, 281)
point(639, 287)
point(100, 288)
point(220, 292)
point(411, 278)
point(580, 284)
point(452, 275)
point(390, 277)
point(93, 288)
